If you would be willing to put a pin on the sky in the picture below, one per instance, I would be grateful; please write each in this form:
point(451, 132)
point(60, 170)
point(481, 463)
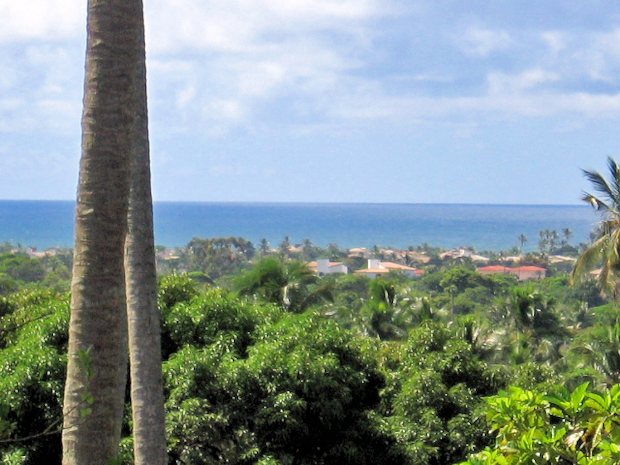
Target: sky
point(412, 101)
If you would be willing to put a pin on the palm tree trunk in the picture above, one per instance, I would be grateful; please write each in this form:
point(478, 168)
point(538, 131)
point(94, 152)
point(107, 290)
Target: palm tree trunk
point(97, 354)
point(147, 399)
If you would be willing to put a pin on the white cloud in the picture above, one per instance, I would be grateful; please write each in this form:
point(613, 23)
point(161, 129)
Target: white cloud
point(224, 110)
point(474, 109)
point(259, 79)
point(482, 42)
point(186, 95)
point(229, 59)
point(47, 20)
point(601, 56)
point(556, 41)
point(502, 83)
point(243, 26)
point(224, 64)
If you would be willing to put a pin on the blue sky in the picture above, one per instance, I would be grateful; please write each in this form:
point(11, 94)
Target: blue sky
point(492, 101)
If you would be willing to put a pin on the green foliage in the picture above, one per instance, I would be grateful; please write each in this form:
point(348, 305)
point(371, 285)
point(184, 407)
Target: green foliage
point(219, 256)
point(566, 427)
point(390, 312)
point(173, 289)
point(433, 396)
point(290, 377)
point(14, 456)
point(32, 373)
point(460, 278)
point(598, 348)
point(215, 317)
point(7, 284)
point(21, 267)
point(300, 392)
point(531, 310)
point(290, 284)
point(18, 270)
point(603, 251)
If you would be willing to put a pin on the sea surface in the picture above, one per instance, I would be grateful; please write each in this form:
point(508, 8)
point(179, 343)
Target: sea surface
point(45, 224)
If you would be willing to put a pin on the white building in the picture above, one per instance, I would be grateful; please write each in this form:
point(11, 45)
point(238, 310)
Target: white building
point(463, 252)
point(323, 266)
point(378, 268)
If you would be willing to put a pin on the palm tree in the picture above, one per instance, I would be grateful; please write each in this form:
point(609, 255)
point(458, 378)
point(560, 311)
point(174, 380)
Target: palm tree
point(604, 251)
point(548, 241)
point(543, 241)
point(97, 352)
point(308, 250)
point(285, 247)
point(602, 354)
point(290, 284)
point(567, 233)
point(147, 398)
point(532, 312)
point(522, 240)
point(263, 247)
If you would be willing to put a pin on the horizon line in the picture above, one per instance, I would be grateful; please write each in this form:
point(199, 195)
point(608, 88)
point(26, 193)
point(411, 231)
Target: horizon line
point(321, 202)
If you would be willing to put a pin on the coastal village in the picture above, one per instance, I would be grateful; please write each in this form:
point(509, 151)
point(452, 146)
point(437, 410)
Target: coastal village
point(412, 263)
point(416, 326)
point(379, 261)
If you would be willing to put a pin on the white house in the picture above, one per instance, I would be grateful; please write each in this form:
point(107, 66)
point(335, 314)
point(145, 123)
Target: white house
point(377, 268)
point(463, 252)
point(323, 266)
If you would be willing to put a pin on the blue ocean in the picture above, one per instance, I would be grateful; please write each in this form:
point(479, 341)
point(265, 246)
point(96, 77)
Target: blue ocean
point(45, 224)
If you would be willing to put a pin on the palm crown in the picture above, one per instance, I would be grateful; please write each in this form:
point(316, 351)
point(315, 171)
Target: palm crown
point(605, 249)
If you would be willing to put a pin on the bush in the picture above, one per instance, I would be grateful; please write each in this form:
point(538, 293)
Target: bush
point(578, 427)
point(433, 398)
point(301, 390)
point(32, 374)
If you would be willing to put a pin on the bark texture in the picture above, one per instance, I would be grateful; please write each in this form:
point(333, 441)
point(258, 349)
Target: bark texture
point(93, 402)
point(147, 399)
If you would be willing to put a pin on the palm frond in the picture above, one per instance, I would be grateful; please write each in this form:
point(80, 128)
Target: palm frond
point(610, 271)
point(614, 171)
point(601, 185)
point(597, 203)
point(590, 258)
point(604, 283)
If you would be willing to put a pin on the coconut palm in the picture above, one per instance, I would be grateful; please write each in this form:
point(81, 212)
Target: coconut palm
point(604, 251)
point(263, 247)
point(531, 312)
point(309, 251)
point(97, 352)
point(147, 398)
point(290, 284)
point(602, 354)
point(567, 233)
point(522, 240)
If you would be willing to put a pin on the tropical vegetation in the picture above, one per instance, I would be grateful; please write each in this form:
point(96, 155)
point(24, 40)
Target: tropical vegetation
point(269, 363)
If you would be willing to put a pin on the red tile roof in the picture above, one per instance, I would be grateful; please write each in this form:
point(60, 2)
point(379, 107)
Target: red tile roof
point(495, 269)
point(530, 268)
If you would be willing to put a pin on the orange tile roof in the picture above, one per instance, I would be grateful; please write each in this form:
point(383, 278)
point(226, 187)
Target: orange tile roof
point(495, 268)
point(507, 269)
point(529, 268)
point(374, 270)
point(396, 266)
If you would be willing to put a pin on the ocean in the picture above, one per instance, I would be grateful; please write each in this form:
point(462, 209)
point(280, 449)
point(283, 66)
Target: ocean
point(45, 224)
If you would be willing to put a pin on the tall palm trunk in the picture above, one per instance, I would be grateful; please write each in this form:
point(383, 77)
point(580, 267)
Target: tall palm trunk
point(96, 371)
point(147, 399)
